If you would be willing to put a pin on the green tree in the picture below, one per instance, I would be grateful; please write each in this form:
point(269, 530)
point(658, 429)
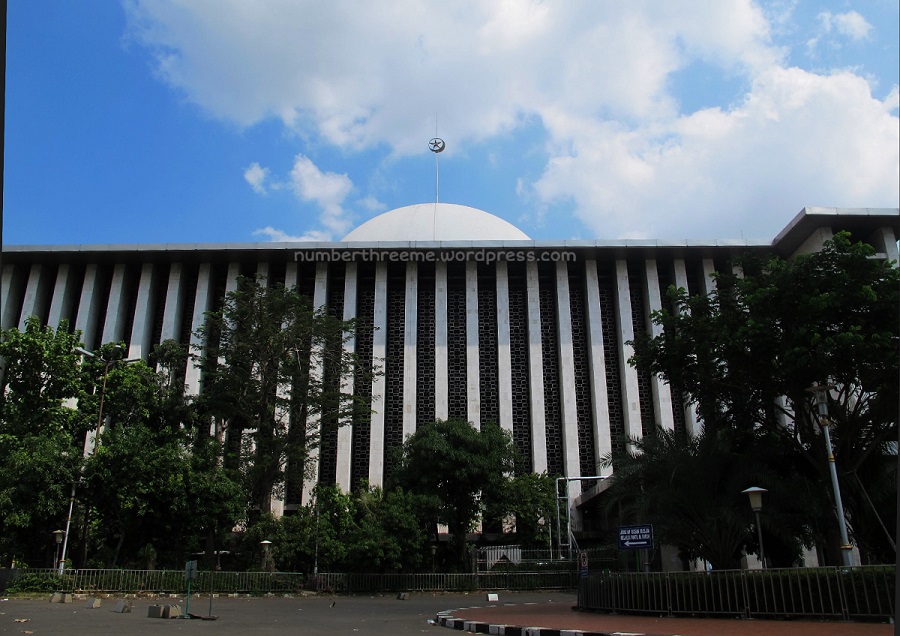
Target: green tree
point(273, 369)
point(41, 436)
point(533, 502)
point(152, 488)
point(387, 534)
point(689, 489)
point(747, 354)
point(457, 471)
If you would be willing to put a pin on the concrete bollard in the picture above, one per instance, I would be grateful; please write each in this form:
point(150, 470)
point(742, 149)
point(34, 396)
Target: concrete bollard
point(92, 603)
point(123, 607)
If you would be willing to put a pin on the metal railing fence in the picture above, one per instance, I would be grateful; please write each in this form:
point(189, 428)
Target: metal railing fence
point(86, 581)
point(862, 592)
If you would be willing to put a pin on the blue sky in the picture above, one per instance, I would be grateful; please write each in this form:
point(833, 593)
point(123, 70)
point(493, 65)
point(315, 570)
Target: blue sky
point(240, 121)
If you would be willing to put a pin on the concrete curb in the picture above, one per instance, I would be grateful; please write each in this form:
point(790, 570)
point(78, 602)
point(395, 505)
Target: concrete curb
point(446, 619)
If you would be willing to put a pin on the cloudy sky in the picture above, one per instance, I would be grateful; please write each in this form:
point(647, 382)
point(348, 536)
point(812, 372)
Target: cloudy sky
point(247, 120)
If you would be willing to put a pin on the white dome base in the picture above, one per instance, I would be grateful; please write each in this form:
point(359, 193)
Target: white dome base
point(436, 222)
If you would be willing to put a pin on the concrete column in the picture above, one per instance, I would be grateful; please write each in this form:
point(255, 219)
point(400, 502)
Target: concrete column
point(629, 378)
point(885, 242)
point(709, 283)
point(441, 356)
point(173, 310)
point(568, 399)
point(659, 389)
point(690, 410)
point(234, 271)
point(410, 336)
point(379, 385)
point(345, 431)
point(116, 308)
point(536, 371)
point(320, 299)
point(142, 328)
point(8, 299)
point(597, 365)
point(89, 306)
point(63, 296)
point(262, 273)
point(203, 302)
point(473, 374)
point(32, 304)
point(290, 275)
point(504, 354)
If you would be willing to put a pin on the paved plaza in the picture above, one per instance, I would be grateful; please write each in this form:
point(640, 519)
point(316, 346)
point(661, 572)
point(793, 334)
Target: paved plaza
point(379, 615)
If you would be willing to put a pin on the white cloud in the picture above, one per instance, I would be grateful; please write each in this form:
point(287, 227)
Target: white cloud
point(256, 176)
point(327, 189)
point(815, 140)
point(596, 75)
point(851, 24)
point(281, 236)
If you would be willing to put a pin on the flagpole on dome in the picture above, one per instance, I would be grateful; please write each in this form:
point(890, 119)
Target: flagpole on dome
point(436, 145)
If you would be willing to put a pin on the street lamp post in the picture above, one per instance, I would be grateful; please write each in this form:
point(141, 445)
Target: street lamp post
point(265, 543)
point(107, 364)
point(755, 494)
point(821, 393)
point(58, 537)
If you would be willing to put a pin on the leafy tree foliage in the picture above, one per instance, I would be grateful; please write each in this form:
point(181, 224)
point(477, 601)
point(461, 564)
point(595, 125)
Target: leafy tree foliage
point(532, 499)
point(747, 354)
point(273, 368)
point(457, 471)
point(40, 437)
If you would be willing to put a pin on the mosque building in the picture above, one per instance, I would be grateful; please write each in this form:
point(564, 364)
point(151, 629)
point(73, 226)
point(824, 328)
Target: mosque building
point(471, 318)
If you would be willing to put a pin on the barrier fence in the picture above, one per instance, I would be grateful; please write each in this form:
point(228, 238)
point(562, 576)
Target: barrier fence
point(86, 581)
point(844, 593)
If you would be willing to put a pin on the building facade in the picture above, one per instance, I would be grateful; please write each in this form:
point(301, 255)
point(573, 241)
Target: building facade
point(469, 317)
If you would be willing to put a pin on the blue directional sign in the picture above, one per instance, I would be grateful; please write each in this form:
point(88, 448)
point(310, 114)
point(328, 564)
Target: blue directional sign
point(636, 537)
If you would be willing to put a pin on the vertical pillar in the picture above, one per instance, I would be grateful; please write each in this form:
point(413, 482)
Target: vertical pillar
point(571, 464)
point(709, 283)
point(690, 410)
point(441, 359)
point(174, 309)
point(597, 366)
point(89, 306)
point(504, 353)
point(473, 376)
point(410, 336)
point(379, 384)
point(8, 299)
point(661, 393)
point(345, 431)
point(142, 328)
point(320, 299)
point(203, 300)
point(62, 301)
point(32, 303)
point(631, 398)
point(116, 309)
point(536, 371)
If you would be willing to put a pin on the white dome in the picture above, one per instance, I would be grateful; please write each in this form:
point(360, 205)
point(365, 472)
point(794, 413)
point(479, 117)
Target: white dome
point(436, 222)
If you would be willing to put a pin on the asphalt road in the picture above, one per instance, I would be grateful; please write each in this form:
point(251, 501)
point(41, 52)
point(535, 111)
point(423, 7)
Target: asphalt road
point(382, 615)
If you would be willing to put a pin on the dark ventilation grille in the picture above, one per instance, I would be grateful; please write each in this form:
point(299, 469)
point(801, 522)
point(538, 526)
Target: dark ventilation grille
point(456, 341)
point(425, 332)
point(609, 321)
point(277, 272)
point(550, 350)
point(518, 347)
point(306, 280)
point(636, 275)
point(583, 403)
point(695, 282)
point(362, 382)
point(487, 344)
point(332, 380)
point(396, 328)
